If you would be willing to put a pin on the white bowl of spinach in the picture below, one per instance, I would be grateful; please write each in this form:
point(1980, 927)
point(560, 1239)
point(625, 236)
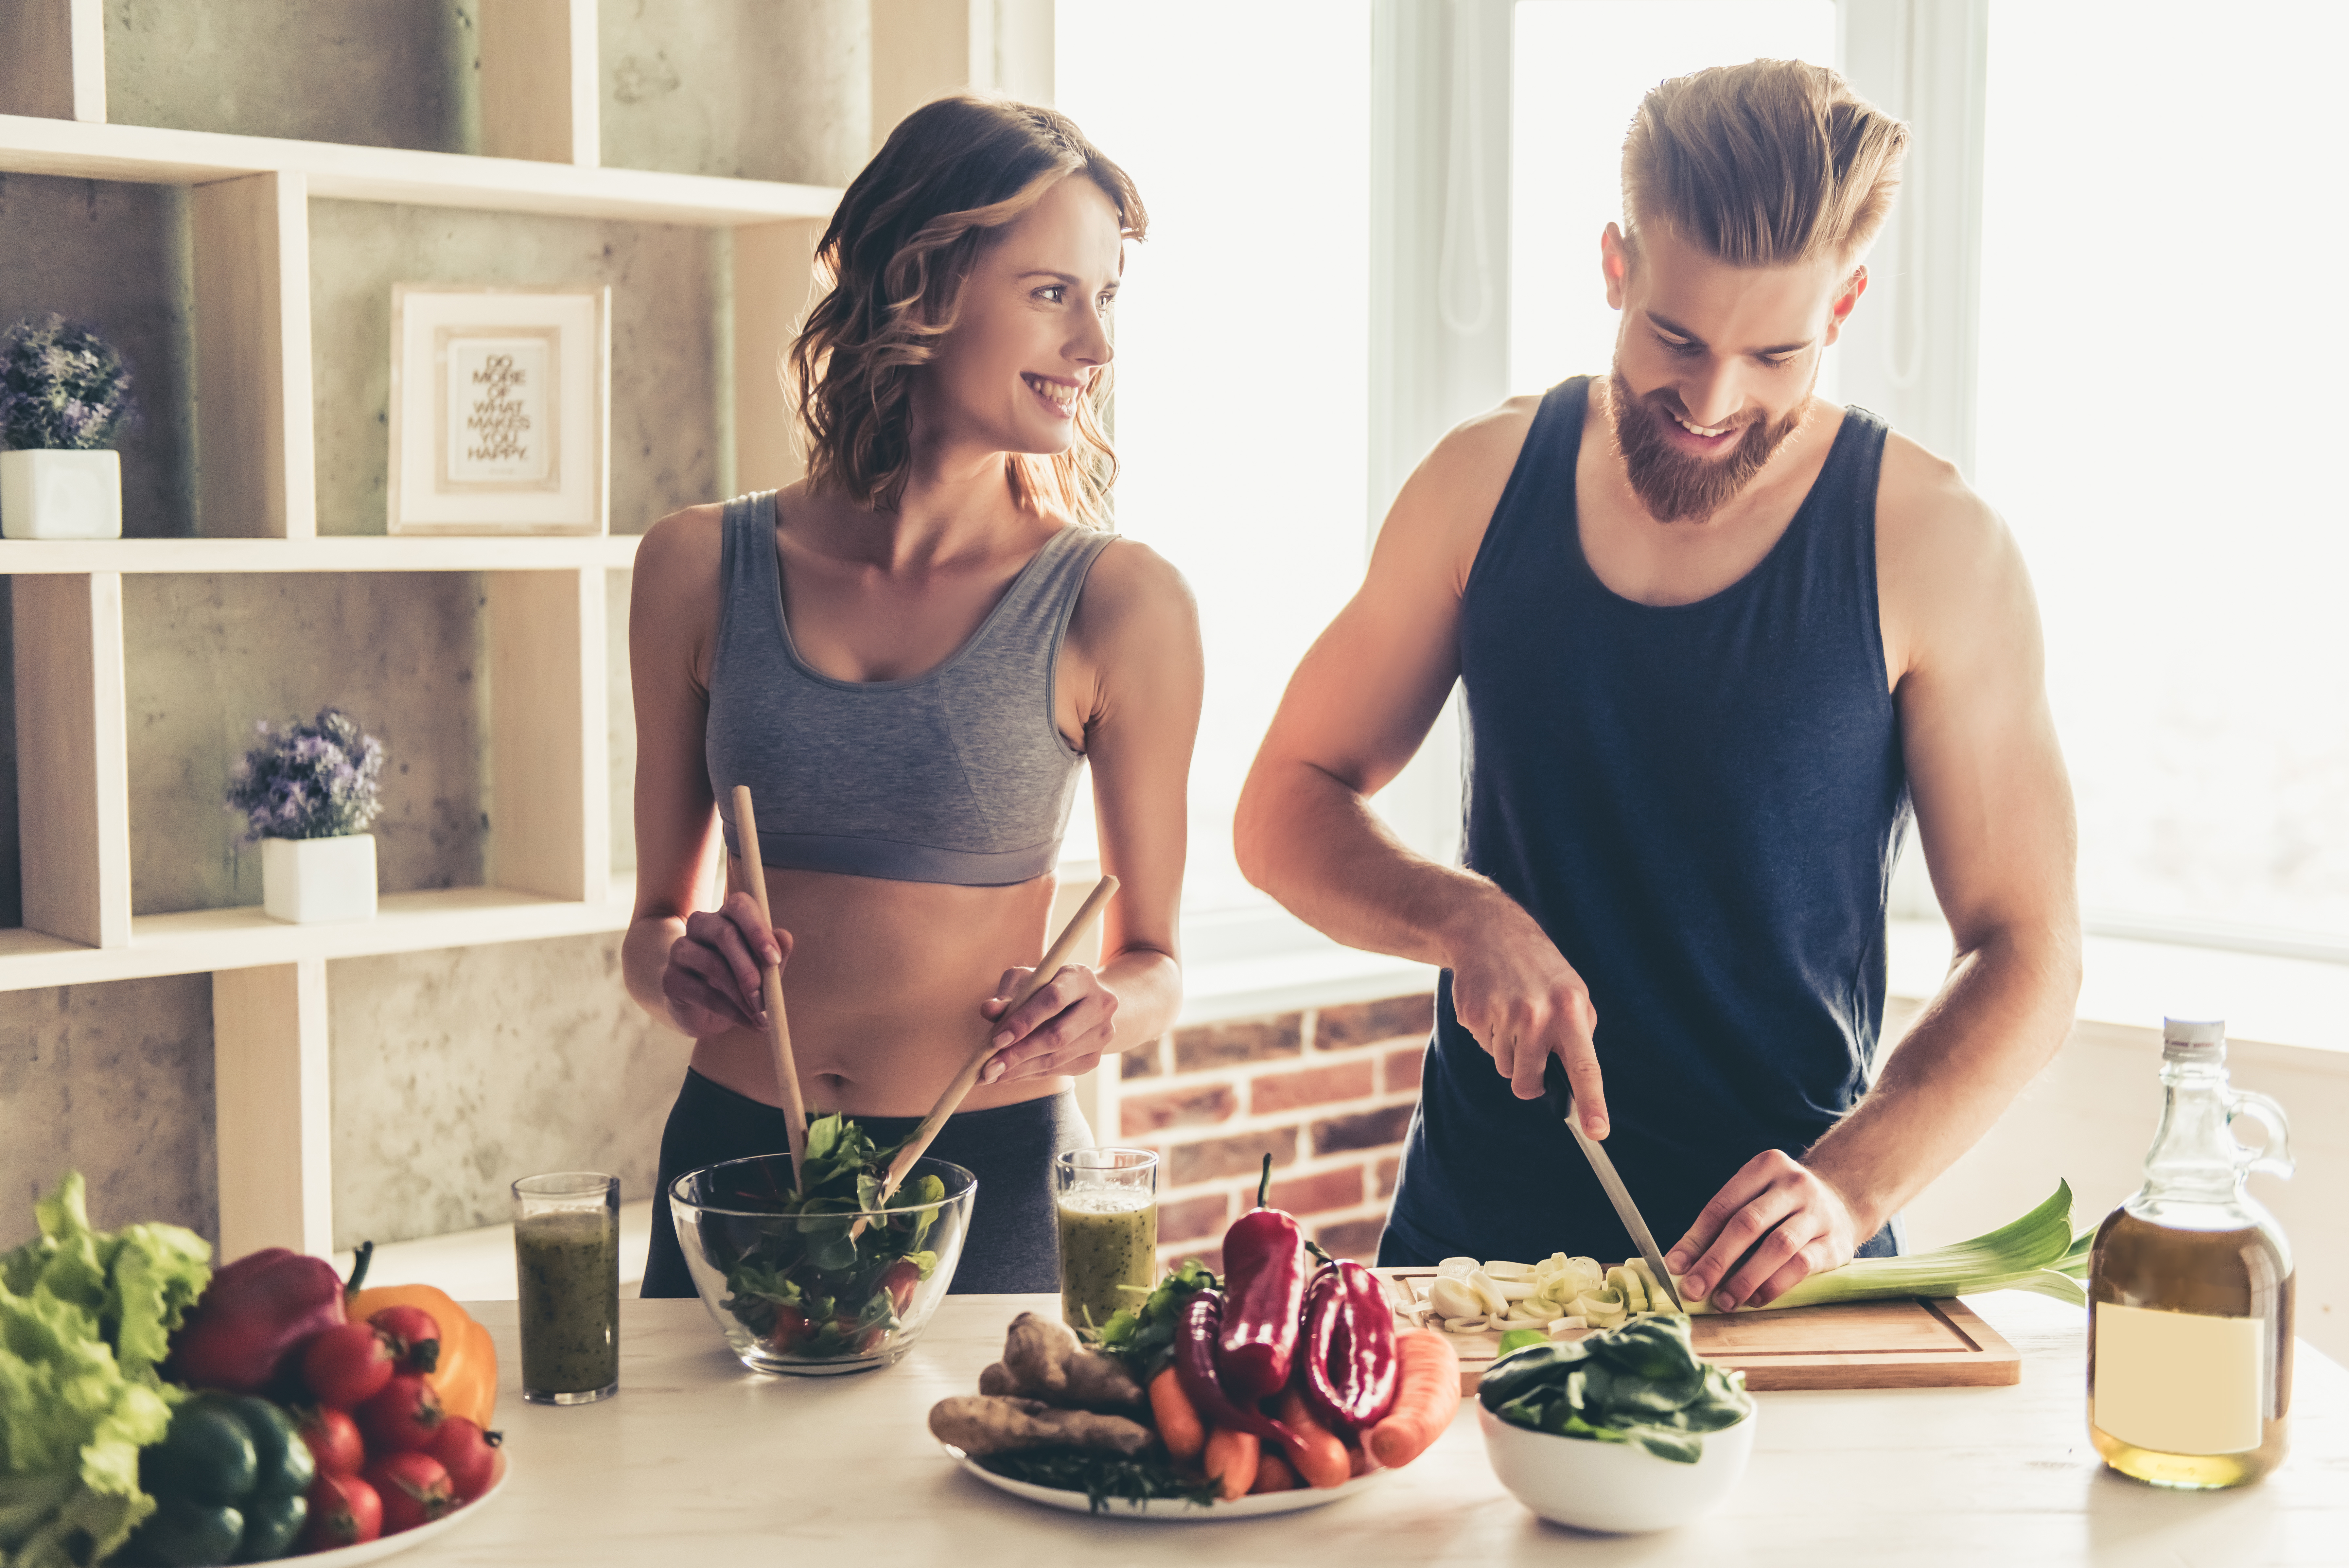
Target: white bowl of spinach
point(1625, 1430)
point(793, 1279)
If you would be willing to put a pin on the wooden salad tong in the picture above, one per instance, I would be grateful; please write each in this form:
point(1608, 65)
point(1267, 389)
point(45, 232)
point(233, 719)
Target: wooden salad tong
point(778, 1029)
point(1055, 959)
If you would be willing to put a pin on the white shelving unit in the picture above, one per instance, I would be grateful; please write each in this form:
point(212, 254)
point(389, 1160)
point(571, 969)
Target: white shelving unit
point(552, 872)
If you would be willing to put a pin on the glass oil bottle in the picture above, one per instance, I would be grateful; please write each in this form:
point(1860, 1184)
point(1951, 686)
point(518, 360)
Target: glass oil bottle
point(2190, 1289)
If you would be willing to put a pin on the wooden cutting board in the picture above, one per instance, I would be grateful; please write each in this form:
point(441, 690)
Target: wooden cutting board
point(1862, 1345)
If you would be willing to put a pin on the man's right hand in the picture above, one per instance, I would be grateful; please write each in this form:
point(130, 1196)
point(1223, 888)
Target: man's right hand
point(1515, 993)
point(712, 981)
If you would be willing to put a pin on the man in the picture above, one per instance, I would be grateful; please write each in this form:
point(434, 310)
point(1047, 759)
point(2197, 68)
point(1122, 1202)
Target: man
point(1716, 637)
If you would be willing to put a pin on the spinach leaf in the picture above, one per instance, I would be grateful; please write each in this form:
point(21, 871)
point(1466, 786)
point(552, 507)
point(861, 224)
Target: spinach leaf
point(1642, 1383)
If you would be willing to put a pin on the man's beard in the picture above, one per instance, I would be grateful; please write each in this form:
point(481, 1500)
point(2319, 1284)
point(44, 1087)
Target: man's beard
point(1672, 485)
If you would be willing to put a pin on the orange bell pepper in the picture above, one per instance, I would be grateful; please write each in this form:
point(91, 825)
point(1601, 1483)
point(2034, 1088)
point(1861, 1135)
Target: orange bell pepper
point(466, 1376)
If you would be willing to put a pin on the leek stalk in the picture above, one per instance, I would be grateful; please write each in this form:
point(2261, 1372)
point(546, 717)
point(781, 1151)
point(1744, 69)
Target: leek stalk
point(2037, 1252)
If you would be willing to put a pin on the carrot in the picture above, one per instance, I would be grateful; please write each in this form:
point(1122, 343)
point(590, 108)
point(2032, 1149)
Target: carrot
point(1320, 1457)
point(1273, 1474)
point(1231, 1460)
point(1427, 1396)
point(1179, 1427)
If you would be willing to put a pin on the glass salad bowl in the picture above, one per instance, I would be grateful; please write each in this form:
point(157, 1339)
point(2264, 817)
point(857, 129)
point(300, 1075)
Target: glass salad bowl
point(808, 1289)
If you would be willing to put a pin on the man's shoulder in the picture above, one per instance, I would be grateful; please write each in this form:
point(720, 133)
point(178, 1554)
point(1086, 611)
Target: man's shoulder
point(1926, 513)
point(1948, 570)
point(1450, 497)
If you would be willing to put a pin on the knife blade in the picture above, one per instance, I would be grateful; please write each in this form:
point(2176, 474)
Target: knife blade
point(1559, 1095)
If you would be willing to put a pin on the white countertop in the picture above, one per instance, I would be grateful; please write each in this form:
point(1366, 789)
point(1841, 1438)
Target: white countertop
point(698, 1461)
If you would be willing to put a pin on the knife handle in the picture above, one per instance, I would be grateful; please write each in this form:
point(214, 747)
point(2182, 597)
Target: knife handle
point(1556, 1093)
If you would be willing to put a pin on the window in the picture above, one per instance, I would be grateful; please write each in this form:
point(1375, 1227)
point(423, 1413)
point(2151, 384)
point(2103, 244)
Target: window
point(1242, 368)
point(1581, 68)
point(2159, 329)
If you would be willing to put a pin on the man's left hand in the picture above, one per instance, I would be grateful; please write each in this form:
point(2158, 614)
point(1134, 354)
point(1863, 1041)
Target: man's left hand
point(1775, 1223)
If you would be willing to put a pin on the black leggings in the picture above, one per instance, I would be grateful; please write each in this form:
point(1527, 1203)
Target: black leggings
point(1013, 1243)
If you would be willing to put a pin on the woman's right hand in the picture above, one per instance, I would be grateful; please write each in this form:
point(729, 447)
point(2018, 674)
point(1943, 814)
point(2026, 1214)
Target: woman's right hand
point(711, 982)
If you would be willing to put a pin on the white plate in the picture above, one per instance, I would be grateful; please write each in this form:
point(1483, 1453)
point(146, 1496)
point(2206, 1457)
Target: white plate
point(384, 1546)
point(1255, 1507)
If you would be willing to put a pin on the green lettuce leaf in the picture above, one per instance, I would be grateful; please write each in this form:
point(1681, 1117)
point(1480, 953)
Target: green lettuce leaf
point(85, 1316)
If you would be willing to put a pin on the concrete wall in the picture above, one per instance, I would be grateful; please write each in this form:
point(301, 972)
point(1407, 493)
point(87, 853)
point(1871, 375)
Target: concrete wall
point(103, 1079)
point(380, 73)
point(752, 89)
point(455, 1072)
point(207, 655)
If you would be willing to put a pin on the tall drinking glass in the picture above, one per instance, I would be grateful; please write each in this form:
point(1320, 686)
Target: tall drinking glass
point(568, 1263)
point(1109, 1230)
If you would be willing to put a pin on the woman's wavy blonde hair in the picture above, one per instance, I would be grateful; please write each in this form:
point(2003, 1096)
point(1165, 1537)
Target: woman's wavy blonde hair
point(949, 179)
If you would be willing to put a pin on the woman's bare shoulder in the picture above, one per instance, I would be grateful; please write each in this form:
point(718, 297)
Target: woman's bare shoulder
point(1129, 576)
point(673, 596)
point(1136, 612)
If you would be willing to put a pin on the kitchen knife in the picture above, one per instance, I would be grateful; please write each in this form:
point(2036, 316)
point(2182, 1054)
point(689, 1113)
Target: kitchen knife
point(1559, 1094)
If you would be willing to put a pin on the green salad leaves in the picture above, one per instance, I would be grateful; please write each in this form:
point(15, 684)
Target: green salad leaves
point(1642, 1383)
point(1143, 1335)
point(797, 1277)
point(85, 1316)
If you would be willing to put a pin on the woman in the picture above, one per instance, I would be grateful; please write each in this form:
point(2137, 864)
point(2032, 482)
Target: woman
point(908, 655)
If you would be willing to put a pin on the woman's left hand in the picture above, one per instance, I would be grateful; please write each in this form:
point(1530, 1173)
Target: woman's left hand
point(1063, 1029)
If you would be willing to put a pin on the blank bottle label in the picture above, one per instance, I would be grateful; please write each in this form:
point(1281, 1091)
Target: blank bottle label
point(2177, 1382)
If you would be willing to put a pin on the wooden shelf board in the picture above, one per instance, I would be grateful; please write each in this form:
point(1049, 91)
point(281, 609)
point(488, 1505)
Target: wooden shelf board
point(153, 155)
point(30, 557)
point(203, 940)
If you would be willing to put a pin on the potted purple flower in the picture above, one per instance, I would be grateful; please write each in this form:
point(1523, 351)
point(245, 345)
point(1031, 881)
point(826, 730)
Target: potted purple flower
point(307, 793)
point(64, 396)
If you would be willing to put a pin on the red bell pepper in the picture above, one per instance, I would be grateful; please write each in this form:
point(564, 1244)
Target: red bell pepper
point(247, 1332)
point(1263, 1278)
point(1195, 1368)
point(1350, 1356)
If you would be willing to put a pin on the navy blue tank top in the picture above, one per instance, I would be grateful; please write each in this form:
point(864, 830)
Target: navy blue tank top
point(1701, 805)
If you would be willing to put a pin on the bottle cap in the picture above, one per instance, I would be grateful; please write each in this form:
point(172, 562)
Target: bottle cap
point(2189, 1036)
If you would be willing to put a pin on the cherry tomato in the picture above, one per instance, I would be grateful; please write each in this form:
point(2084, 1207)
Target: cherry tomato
point(899, 1279)
point(415, 1336)
point(402, 1419)
point(469, 1454)
point(348, 1365)
point(344, 1512)
point(860, 1344)
point(793, 1327)
point(414, 1489)
point(333, 1440)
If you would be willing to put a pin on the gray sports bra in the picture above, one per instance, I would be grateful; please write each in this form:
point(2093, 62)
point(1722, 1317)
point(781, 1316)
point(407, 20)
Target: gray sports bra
point(957, 775)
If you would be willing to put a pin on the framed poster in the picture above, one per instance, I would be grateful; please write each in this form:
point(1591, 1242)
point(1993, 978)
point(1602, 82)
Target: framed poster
point(500, 409)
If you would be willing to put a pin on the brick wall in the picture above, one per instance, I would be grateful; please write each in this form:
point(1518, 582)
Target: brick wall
point(1327, 1092)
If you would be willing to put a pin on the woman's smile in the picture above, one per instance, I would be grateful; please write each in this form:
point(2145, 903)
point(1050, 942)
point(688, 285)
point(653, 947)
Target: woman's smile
point(1061, 397)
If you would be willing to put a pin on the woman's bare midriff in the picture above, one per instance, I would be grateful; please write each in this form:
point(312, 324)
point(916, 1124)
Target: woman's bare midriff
point(883, 991)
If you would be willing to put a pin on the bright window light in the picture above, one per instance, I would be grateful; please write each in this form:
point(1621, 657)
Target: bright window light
point(2159, 324)
point(1242, 357)
point(1581, 68)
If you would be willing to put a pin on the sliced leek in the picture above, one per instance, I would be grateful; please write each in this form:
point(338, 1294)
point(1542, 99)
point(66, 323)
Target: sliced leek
point(2026, 1255)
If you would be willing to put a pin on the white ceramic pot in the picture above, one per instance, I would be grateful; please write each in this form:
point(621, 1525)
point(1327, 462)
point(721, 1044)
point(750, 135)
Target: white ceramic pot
point(1616, 1487)
point(49, 495)
point(310, 881)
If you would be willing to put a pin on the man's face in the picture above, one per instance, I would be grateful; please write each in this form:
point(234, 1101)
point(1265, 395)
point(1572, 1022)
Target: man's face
point(1714, 365)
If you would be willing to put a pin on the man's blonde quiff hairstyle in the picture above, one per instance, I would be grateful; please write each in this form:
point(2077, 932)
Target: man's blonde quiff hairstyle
point(1767, 164)
point(952, 176)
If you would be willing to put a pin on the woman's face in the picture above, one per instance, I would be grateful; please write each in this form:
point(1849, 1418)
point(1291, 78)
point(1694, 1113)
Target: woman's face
point(1032, 330)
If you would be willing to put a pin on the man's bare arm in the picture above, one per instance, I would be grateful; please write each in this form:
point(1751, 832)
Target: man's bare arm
point(1994, 815)
point(1355, 712)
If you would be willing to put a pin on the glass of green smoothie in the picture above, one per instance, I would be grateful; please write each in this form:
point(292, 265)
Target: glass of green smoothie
point(1109, 1230)
point(568, 1263)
